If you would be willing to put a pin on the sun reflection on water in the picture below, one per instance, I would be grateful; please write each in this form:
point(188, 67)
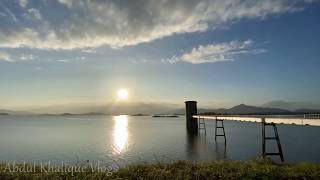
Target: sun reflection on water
point(120, 134)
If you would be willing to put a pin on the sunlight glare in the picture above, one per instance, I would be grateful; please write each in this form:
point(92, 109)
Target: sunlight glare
point(120, 134)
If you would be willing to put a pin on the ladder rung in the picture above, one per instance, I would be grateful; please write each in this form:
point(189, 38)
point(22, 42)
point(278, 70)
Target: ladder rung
point(220, 135)
point(273, 154)
point(220, 127)
point(269, 124)
point(270, 138)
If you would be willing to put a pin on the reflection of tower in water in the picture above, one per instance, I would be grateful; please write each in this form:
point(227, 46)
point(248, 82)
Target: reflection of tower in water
point(201, 146)
point(192, 146)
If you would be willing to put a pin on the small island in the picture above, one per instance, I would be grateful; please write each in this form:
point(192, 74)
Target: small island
point(164, 116)
point(139, 114)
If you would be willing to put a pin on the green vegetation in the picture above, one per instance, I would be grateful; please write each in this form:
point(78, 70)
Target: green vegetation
point(254, 169)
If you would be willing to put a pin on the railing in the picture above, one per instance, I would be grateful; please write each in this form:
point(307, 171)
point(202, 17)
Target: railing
point(268, 119)
point(311, 116)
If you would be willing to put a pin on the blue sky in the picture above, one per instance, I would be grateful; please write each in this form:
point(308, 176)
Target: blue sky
point(220, 53)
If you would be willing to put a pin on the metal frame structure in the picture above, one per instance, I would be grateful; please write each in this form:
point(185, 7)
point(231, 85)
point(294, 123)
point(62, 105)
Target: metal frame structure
point(275, 137)
point(220, 127)
point(202, 125)
point(193, 126)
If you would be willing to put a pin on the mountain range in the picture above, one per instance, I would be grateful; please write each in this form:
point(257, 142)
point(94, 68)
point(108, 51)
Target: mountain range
point(12, 112)
point(293, 105)
point(245, 109)
point(150, 108)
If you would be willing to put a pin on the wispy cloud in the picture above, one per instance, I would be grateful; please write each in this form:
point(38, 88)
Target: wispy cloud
point(63, 60)
point(84, 23)
point(4, 56)
point(27, 57)
point(6, 12)
point(90, 51)
point(210, 53)
point(68, 60)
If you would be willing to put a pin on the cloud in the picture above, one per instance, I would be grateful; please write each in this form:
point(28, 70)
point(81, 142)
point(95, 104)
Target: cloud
point(4, 56)
point(69, 24)
point(23, 3)
point(68, 60)
point(6, 12)
point(210, 53)
point(89, 51)
point(63, 60)
point(27, 57)
point(33, 14)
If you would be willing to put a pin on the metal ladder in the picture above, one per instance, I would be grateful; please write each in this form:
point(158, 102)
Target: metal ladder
point(275, 137)
point(220, 127)
point(202, 122)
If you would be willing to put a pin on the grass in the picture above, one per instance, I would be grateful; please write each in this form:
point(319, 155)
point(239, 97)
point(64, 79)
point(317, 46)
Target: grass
point(252, 169)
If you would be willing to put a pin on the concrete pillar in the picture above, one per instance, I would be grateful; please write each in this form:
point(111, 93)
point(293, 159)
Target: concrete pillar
point(192, 123)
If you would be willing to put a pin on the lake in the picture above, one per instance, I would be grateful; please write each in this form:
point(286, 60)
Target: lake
point(125, 140)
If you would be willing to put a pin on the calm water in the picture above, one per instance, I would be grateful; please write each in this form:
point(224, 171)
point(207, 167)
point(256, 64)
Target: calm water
point(126, 139)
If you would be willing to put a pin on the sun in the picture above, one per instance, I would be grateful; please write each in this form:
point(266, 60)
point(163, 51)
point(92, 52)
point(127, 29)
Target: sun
point(122, 94)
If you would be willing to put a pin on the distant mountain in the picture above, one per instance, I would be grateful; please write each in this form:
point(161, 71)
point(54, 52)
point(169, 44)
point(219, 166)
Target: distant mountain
point(239, 109)
point(281, 104)
point(183, 111)
point(292, 106)
point(73, 114)
point(306, 111)
point(110, 108)
point(11, 112)
point(245, 109)
point(157, 108)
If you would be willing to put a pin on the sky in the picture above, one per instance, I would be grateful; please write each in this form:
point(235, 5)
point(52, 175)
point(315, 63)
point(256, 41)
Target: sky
point(219, 53)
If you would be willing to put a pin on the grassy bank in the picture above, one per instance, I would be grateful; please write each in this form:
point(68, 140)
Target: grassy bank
point(254, 169)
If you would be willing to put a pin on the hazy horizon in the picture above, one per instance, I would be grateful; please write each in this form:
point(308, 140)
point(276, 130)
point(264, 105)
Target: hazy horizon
point(150, 107)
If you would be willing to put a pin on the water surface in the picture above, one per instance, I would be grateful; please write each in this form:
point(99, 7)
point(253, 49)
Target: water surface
point(128, 139)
